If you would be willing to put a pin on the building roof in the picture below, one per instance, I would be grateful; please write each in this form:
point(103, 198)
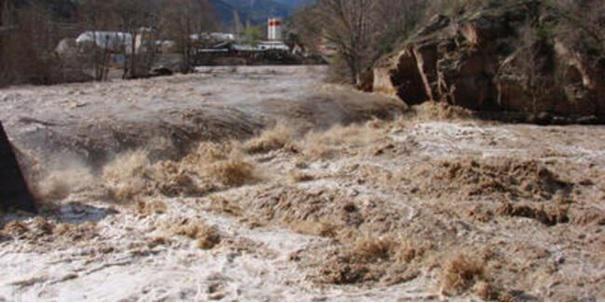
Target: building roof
point(114, 41)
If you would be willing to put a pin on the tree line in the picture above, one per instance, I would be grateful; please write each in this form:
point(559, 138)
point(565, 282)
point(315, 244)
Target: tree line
point(30, 31)
point(359, 32)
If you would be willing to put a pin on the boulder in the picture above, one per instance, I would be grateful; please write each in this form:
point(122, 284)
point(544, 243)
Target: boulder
point(14, 192)
point(481, 60)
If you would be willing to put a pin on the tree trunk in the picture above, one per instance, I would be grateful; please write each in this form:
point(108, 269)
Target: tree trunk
point(2, 4)
point(133, 56)
point(3, 40)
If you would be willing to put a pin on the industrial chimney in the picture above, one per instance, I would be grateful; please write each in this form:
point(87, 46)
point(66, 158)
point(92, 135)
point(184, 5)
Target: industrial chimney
point(275, 29)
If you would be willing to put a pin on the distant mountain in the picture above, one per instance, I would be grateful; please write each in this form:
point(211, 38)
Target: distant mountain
point(254, 12)
point(294, 4)
point(257, 11)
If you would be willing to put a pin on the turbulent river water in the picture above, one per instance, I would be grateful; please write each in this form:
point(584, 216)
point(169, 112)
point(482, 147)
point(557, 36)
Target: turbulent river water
point(94, 121)
point(265, 183)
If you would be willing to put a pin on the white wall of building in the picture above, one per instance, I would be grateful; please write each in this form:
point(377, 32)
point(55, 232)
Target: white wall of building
point(274, 30)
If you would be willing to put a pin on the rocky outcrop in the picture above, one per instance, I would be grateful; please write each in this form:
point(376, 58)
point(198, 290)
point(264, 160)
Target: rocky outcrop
point(487, 60)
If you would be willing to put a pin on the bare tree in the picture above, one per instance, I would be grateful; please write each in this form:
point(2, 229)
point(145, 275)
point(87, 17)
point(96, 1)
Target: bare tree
point(2, 8)
point(349, 29)
point(133, 24)
point(453, 7)
point(394, 21)
point(307, 27)
point(96, 16)
point(183, 21)
point(2, 29)
point(136, 17)
point(534, 60)
point(360, 31)
point(583, 23)
point(27, 43)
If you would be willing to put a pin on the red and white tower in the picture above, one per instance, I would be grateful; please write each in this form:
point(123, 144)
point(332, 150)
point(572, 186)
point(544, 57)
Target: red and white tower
point(274, 31)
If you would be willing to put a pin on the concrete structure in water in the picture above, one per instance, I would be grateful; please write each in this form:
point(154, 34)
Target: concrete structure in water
point(14, 192)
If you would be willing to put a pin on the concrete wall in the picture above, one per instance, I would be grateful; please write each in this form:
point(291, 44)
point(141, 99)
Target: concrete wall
point(14, 192)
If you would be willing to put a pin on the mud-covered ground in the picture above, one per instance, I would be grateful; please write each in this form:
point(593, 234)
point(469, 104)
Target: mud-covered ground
point(433, 205)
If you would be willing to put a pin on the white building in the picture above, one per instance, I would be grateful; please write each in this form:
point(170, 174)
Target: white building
point(113, 41)
point(274, 29)
point(213, 36)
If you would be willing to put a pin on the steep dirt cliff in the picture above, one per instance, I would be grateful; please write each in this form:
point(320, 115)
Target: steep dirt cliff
point(505, 57)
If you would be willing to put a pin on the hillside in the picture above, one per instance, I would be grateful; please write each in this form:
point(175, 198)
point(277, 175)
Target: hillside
point(255, 11)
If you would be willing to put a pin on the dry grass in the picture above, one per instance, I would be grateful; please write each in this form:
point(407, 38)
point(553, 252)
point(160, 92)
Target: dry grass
point(461, 273)
point(273, 139)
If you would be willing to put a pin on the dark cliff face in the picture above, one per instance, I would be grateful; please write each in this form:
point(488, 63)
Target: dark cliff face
point(502, 58)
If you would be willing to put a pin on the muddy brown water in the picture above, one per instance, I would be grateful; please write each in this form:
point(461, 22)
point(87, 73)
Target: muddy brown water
point(92, 122)
point(372, 212)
